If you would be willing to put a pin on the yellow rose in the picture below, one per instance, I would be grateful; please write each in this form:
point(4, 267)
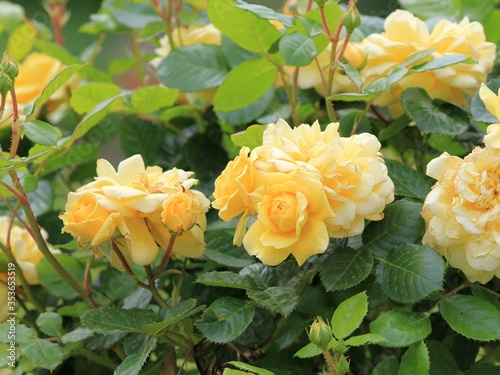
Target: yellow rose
point(181, 210)
point(291, 219)
point(23, 247)
point(4, 307)
point(35, 72)
point(405, 34)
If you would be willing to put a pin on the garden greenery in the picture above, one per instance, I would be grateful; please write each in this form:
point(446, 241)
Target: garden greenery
point(306, 190)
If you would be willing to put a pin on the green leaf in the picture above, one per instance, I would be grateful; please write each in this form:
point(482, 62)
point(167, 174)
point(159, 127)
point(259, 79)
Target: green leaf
point(42, 133)
point(55, 84)
point(352, 73)
point(410, 273)
point(250, 80)
point(136, 16)
point(225, 319)
point(225, 279)
point(139, 136)
point(415, 361)
point(367, 338)
point(388, 366)
point(77, 335)
point(21, 40)
point(152, 98)
point(109, 320)
point(133, 363)
point(407, 181)
point(245, 28)
point(297, 49)
point(74, 310)
point(490, 26)
point(250, 368)
point(50, 323)
point(483, 368)
point(349, 315)
point(432, 117)
point(268, 14)
point(442, 361)
point(401, 328)
point(173, 315)
point(42, 353)
point(193, 68)
point(121, 65)
point(250, 137)
point(220, 249)
point(354, 97)
point(443, 62)
point(430, 8)
point(472, 317)
point(308, 351)
point(281, 299)
point(345, 267)
point(10, 16)
point(51, 280)
point(84, 98)
point(394, 128)
point(478, 109)
point(402, 224)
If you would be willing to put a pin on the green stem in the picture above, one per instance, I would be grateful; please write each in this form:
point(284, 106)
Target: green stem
point(138, 56)
point(166, 256)
point(330, 362)
point(152, 288)
point(42, 245)
point(358, 121)
point(127, 267)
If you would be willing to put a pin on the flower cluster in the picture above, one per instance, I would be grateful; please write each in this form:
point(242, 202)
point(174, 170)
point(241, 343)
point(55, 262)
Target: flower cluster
point(405, 34)
point(462, 212)
point(303, 185)
point(26, 253)
point(138, 208)
point(35, 72)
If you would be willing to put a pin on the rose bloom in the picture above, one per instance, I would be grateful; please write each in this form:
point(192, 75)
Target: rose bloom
point(35, 72)
point(405, 34)
point(291, 219)
point(127, 203)
point(23, 247)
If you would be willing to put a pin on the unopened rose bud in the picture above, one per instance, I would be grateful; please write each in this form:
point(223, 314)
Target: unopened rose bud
point(342, 365)
point(320, 333)
point(9, 66)
point(321, 3)
point(351, 20)
point(5, 83)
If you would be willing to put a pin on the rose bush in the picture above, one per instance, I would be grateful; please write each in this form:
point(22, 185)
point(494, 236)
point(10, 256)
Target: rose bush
point(229, 188)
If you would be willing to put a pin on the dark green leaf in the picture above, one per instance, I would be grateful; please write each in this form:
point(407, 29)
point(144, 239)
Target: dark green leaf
point(50, 323)
point(367, 338)
point(243, 27)
point(51, 280)
point(225, 319)
point(225, 279)
point(173, 315)
point(220, 249)
point(349, 315)
point(141, 137)
point(407, 181)
point(281, 299)
point(471, 316)
point(258, 332)
point(345, 267)
point(133, 363)
point(431, 117)
point(478, 109)
point(42, 353)
point(415, 361)
point(251, 80)
point(402, 224)
point(388, 366)
point(394, 128)
point(482, 368)
point(109, 320)
point(401, 328)
point(410, 273)
point(193, 68)
point(42, 133)
point(78, 334)
point(250, 368)
point(204, 156)
point(297, 49)
point(442, 361)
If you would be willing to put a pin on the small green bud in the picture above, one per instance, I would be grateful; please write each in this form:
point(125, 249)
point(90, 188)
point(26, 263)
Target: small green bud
point(320, 3)
point(320, 333)
point(342, 365)
point(9, 66)
point(351, 19)
point(5, 83)
point(339, 348)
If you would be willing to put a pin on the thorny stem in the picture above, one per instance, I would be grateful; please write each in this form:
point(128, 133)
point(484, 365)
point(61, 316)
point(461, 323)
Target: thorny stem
point(330, 362)
point(56, 13)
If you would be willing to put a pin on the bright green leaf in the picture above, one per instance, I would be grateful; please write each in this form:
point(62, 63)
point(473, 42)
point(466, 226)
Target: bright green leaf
point(432, 117)
point(352, 73)
point(78, 334)
point(401, 328)
point(173, 315)
point(250, 80)
point(443, 62)
point(297, 49)
point(268, 14)
point(225, 279)
point(243, 27)
point(345, 267)
point(388, 366)
point(308, 351)
point(402, 224)
point(84, 98)
point(21, 40)
point(349, 315)
point(491, 28)
point(367, 338)
point(50, 323)
point(193, 68)
point(41, 133)
point(10, 16)
point(42, 353)
point(133, 363)
point(472, 317)
point(353, 97)
point(415, 361)
point(407, 182)
point(225, 319)
point(152, 98)
point(410, 273)
point(250, 137)
point(109, 320)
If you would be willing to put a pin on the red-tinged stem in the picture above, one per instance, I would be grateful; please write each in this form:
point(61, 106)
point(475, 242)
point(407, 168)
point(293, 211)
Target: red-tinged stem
point(57, 11)
point(166, 256)
point(16, 131)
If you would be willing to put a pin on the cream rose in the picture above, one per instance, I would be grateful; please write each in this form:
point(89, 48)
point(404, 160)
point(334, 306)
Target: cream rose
point(405, 34)
point(35, 72)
